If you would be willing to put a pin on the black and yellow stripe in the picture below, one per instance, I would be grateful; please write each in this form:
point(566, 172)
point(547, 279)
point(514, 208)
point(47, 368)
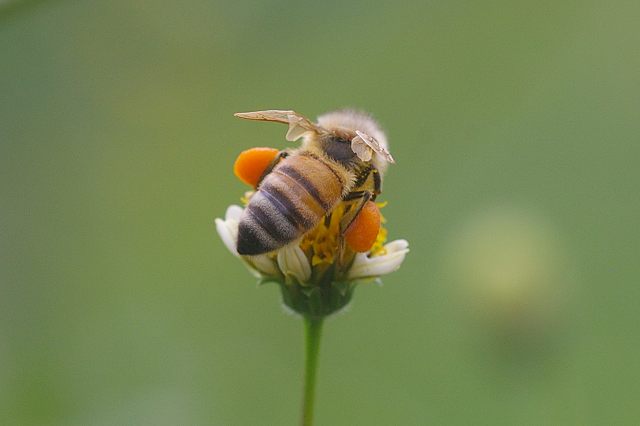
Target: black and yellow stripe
point(291, 200)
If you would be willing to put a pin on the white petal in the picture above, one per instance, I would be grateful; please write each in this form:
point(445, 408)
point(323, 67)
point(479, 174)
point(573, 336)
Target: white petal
point(292, 261)
point(233, 212)
point(396, 245)
point(228, 228)
point(228, 231)
point(364, 266)
point(264, 264)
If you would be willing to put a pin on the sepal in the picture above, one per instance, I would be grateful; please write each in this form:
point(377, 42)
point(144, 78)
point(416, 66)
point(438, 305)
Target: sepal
point(318, 301)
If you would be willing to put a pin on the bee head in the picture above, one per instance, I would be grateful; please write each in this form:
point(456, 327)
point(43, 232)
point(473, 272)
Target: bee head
point(355, 134)
point(337, 146)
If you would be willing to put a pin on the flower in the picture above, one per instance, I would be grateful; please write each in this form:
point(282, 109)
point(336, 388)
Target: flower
point(293, 262)
point(228, 228)
point(365, 266)
point(331, 244)
point(319, 272)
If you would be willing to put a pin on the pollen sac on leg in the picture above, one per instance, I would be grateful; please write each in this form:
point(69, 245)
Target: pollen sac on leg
point(363, 231)
point(252, 163)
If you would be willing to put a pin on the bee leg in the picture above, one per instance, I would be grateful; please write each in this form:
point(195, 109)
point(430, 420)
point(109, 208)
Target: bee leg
point(327, 220)
point(281, 155)
point(377, 183)
point(371, 170)
point(362, 176)
point(354, 195)
point(351, 215)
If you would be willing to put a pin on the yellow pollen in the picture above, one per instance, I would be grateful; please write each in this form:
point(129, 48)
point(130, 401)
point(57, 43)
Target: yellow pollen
point(322, 243)
point(378, 246)
point(246, 197)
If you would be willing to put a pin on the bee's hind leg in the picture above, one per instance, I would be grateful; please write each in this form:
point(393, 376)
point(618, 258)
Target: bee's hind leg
point(377, 183)
point(281, 155)
point(362, 196)
point(351, 213)
point(362, 177)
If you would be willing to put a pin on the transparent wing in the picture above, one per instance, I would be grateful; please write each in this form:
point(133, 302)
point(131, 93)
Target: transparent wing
point(361, 149)
point(373, 144)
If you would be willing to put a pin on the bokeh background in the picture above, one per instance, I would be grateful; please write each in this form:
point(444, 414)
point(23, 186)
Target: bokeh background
point(515, 126)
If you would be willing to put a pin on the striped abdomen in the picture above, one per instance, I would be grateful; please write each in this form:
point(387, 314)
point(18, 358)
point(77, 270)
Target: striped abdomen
point(291, 200)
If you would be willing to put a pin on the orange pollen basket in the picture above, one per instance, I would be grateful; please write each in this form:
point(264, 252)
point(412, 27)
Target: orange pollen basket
point(363, 231)
point(251, 164)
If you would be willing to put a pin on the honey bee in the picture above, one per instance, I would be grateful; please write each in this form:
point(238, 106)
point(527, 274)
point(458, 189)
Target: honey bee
point(342, 158)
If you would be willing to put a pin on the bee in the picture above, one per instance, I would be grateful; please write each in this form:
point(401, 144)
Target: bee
point(342, 158)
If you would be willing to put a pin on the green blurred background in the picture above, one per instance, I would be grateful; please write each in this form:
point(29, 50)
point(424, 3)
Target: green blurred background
point(515, 126)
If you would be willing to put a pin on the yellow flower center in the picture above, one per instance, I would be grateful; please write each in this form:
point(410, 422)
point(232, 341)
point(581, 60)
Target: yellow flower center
point(322, 243)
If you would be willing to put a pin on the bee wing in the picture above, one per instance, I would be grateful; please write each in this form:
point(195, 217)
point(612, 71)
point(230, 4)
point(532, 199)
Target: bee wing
point(361, 149)
point(363, 144)
point(298, 124)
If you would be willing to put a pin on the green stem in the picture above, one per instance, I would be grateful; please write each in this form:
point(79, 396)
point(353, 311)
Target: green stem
point(313, 331)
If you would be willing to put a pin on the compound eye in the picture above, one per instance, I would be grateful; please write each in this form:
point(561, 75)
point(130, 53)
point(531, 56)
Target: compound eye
point(363, 231)
point(339, 150)
point(251, 164)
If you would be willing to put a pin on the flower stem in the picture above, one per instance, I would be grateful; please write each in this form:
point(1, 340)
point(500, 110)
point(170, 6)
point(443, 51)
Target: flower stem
point(313, 331)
